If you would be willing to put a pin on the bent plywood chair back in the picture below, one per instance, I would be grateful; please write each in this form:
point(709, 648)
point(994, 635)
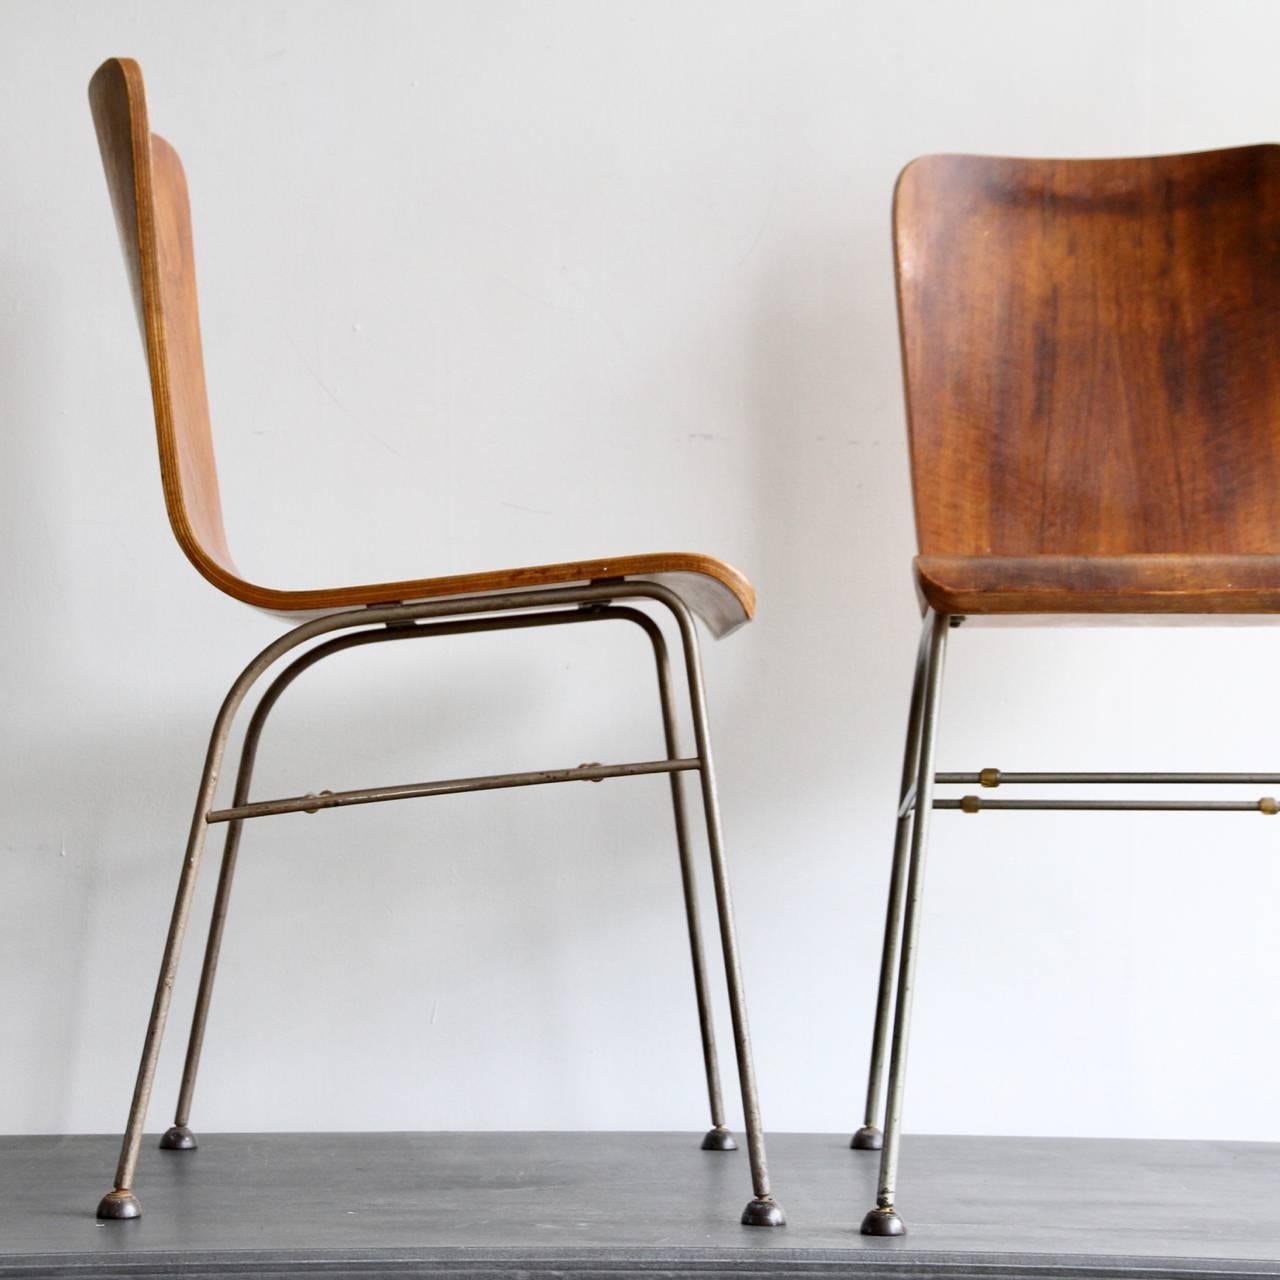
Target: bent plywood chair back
point(149, 195)
point(1090, 353)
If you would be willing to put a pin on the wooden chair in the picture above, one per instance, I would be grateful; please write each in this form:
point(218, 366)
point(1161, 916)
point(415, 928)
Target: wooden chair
point(1093, 400)
point(148, 191)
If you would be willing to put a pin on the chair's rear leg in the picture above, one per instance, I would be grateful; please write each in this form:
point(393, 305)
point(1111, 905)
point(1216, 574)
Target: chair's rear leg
point(718, 1137)
point(870, 1137)
point(884, 1220)
point(762, 1210)
point(178, 1137)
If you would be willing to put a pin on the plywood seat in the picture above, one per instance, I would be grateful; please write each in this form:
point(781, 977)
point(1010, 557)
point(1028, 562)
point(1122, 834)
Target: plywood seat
point(721, 596)
point(1155, 584)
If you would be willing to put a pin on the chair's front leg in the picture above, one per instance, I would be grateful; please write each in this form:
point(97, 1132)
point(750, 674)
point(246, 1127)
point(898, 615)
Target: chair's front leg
point(762, 1210)
point(718, 1137)
point(883, 1220)
point(870, 1137)
point(120, 1202)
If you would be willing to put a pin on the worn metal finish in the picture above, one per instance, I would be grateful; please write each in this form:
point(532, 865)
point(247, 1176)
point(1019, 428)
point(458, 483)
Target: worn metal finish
point(177, 1137)
point(119, 1206)
point(990, 778)
point(883, 1219)
point(757, 1212)
point(976, 804)
point(718, 1138)
point(870, 1137)
point(1140, 779)
point(317, 802)
point(762, 1210)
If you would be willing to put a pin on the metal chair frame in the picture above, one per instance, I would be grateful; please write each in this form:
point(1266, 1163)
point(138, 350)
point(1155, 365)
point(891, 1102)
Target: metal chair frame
point(906, 890)
point(374, 625)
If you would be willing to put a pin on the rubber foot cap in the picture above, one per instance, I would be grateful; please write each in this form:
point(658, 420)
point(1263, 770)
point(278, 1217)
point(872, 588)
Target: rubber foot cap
point(868, 1138)
point(883, 1222)
point(763, 1213)
point(719, 1139)
point(178, 1138)
point(117, 1205)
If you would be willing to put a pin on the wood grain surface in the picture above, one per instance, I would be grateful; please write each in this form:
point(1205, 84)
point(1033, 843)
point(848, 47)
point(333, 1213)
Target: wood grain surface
point(1089, 349)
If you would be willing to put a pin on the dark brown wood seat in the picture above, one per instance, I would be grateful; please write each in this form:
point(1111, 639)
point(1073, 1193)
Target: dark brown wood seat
point(1099, 584)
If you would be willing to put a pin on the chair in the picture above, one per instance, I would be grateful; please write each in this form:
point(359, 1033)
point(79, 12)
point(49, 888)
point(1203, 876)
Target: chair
point(1093, 404)
point(149, 195)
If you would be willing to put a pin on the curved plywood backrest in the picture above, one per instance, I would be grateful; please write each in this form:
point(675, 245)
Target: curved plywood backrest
point(1090, 353)
point(149, 194)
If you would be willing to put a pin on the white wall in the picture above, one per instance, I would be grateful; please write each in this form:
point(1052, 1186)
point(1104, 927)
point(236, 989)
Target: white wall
point(503, 283)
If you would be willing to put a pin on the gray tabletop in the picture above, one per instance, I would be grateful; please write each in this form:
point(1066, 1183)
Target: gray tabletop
point(614, 1204)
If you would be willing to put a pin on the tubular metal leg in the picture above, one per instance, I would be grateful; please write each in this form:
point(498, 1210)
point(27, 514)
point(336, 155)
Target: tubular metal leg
point(884, 1220)
point(718, 1137)
point(762, 1210)
point(120, 1202)
point(179, 1136)
point(869, 1137)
